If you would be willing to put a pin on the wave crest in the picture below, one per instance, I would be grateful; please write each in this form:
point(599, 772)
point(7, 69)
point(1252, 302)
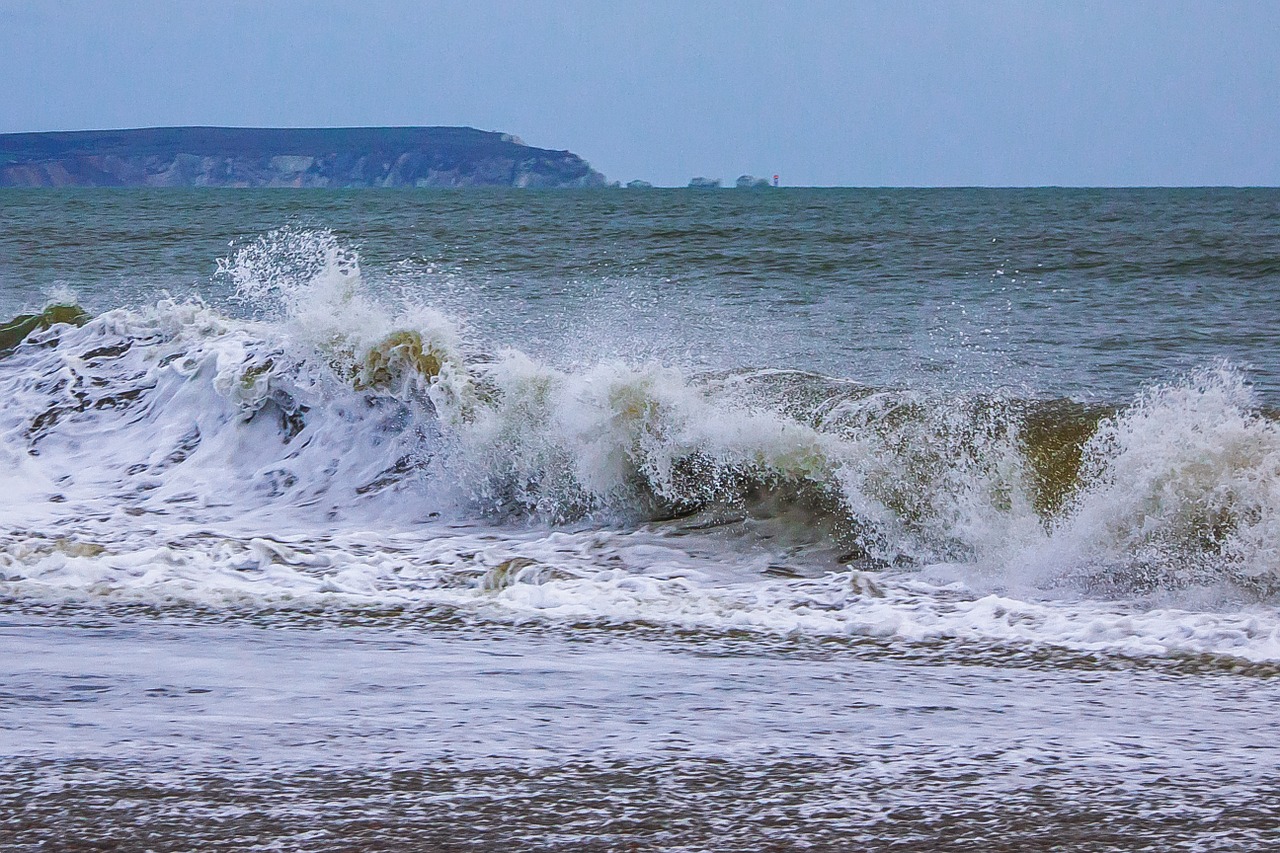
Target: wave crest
point(331, 402)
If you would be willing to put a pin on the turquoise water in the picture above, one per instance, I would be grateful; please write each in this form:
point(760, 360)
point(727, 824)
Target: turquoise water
point(723, 520)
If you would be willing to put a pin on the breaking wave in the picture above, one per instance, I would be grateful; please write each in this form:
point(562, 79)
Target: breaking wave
point(328, 410)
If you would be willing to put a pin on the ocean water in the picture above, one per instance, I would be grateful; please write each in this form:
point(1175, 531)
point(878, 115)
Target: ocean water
point(640, 520)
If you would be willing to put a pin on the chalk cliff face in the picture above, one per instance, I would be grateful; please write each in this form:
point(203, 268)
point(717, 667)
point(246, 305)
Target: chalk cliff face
point(280, 157)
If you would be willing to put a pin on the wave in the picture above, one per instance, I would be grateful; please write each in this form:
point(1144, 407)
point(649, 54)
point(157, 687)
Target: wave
point(331, 406)
point(16, 330)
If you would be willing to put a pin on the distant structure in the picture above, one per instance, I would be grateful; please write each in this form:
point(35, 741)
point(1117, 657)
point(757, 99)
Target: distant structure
point(638, 184)
point(705, 183)
point(286, 157)
point(751, 182)
point(775, 180)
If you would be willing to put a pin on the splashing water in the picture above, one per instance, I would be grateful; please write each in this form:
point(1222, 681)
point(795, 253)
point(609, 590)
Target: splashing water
point(246, 459)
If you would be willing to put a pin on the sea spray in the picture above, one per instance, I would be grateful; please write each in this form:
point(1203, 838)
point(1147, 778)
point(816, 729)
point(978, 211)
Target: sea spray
point(239, 459)
point(1182, 487)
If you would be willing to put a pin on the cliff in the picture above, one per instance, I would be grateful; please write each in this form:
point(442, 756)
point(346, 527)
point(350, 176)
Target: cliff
point(286, 157)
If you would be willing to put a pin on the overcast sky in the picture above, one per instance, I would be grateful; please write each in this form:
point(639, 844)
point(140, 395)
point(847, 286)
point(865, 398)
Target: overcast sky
point(1005, 92)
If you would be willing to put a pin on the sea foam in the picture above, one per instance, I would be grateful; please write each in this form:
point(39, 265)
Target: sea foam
point(339, 446)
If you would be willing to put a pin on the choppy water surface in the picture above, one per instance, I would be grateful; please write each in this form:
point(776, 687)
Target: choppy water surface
point(640, 520)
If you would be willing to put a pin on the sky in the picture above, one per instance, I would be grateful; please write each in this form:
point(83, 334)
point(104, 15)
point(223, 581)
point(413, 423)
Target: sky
point(885, 93)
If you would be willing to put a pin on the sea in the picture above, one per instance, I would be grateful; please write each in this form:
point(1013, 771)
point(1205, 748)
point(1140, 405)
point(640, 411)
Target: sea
point(670, 519)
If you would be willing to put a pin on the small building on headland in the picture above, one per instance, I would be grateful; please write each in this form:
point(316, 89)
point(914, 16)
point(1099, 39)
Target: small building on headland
point(638, 184)
point(705, 183)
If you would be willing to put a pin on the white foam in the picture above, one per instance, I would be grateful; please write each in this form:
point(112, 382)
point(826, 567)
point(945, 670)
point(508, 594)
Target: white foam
point(329, 447)
point(1184, 486)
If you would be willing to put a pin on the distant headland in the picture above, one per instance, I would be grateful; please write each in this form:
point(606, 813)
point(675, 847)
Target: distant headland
point(286, 157)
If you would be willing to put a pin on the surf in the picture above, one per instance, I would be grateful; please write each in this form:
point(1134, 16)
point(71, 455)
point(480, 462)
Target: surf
point(327, 401)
